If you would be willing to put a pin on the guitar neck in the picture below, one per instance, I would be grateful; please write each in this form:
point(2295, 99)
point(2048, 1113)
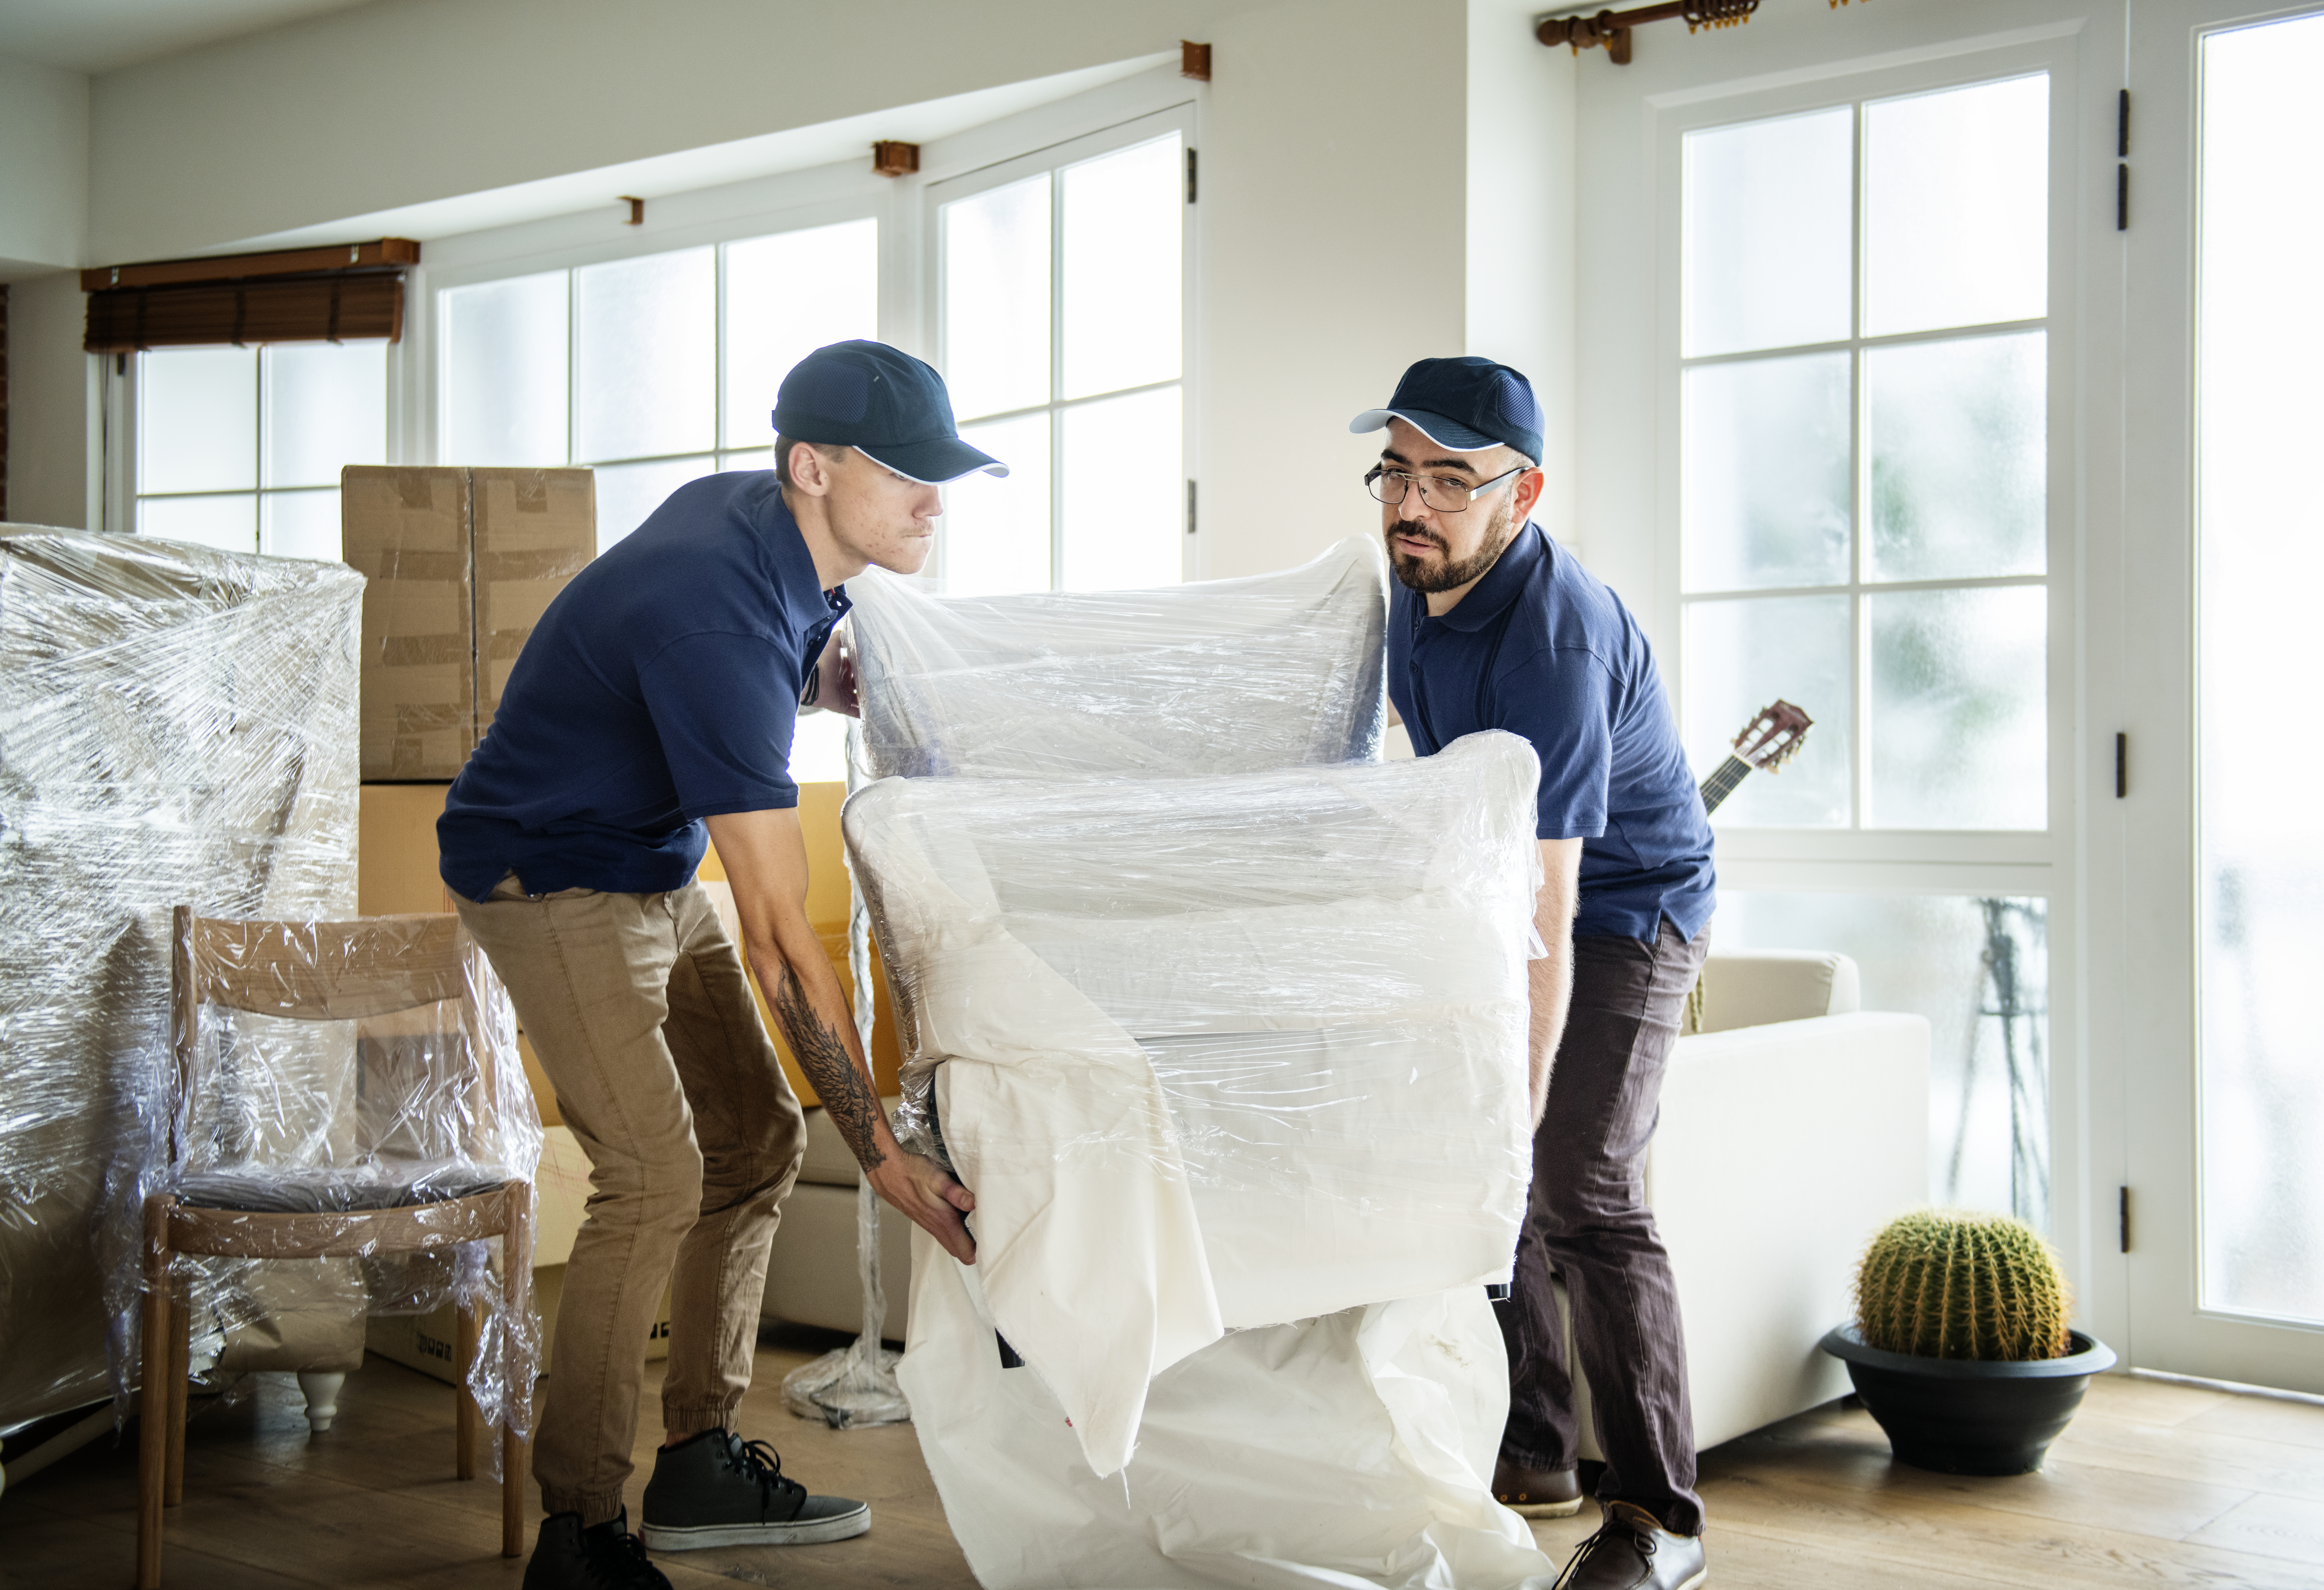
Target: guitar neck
point(1723, 781)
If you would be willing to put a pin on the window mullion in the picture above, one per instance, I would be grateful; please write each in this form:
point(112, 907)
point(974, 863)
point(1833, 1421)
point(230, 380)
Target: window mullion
point(1859, 462)
point(1056, 378)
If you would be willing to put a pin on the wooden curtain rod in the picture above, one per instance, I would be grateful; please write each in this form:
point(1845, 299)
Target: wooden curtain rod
point(384, 253)
point(1612, 28)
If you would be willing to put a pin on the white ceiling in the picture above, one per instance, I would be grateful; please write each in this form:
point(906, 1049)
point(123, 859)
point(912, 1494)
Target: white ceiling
point(104, 35)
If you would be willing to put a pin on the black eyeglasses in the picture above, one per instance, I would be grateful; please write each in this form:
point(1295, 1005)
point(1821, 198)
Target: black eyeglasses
point(1443, 493)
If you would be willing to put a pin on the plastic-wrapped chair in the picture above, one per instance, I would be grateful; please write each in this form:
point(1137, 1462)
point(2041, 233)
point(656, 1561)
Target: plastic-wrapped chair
point(334, 972)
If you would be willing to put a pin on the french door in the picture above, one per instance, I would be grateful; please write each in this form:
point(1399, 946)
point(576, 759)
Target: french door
point(2208, 867)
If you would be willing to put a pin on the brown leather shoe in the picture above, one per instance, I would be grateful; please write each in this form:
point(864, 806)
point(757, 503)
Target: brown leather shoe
point(1536, 1493)
point(1632, 1551)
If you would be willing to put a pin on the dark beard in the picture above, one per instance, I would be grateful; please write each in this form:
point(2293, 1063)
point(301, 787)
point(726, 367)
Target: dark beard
point(1414, 575)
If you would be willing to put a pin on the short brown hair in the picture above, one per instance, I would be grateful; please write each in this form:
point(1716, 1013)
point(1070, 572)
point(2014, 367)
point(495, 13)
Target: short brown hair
point(783, 445)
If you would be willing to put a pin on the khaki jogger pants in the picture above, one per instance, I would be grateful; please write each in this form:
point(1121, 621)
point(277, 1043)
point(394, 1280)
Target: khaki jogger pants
point(638, 1010)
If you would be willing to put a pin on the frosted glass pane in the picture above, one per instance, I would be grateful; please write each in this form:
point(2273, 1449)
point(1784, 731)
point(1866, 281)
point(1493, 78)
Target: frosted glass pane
point(645, 339)
point(1979, 970)
point(1770, 210)
point(1959, 458)
point(505, 353)
point(628, 493)
point(1957, 207)
point(1124, 493)
point(299, 524)
point(757, 458)
point(820, 748)
point(1764, 487)
point(1740, 655)
point(995, 536)
point(325, 408)
point(996, 299)
point(1961, 722)
point(2260, 538)
point(198, 420)
point(228, 522)
point(787, 296)
point(1122, 259)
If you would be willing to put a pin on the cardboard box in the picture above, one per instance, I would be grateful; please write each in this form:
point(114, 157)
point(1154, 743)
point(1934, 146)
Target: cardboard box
point(461, 564)
point(426, 1342)
point(406, 532)
point(534, 530)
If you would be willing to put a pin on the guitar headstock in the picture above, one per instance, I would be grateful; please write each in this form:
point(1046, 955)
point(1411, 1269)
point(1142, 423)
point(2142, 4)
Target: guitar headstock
point(1774, 737)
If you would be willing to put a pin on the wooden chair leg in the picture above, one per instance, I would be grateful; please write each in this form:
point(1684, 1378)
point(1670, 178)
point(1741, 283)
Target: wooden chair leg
point(182, 1363)
point(154, 1417)
point(465, 1417)
point(516, 1297)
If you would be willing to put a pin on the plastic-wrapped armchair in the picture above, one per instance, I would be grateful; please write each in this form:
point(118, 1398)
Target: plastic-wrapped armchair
point(434, 1160)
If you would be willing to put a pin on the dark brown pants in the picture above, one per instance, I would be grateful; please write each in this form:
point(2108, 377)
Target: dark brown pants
point(1589, 1225)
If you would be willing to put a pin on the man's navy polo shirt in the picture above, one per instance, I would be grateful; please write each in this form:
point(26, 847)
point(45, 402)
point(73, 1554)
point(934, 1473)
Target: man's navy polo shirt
point(660, 687)
point(1541, 648)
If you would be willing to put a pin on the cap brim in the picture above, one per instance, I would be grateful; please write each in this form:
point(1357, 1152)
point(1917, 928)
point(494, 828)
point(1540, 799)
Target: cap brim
point(1436, 427)
point(934, 463)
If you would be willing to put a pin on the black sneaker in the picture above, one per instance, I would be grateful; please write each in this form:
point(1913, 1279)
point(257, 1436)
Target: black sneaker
point(716, 1489)
point(604, 1556)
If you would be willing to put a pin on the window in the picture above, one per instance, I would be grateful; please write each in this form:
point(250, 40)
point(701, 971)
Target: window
point(1863, 388)
point(2261, 1071)
point(654, 369)
point(241, 448)
point(1061, 336)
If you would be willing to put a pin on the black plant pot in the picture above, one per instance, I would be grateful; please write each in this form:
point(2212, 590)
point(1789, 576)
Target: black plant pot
point(1969, 1416)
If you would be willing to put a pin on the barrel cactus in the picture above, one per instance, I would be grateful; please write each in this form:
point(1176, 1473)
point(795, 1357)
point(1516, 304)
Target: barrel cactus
point(1956, 1283)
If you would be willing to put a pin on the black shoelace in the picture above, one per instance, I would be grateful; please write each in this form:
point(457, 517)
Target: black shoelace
point(759, 1461)
point(623, 1557)
point(1642, 1539)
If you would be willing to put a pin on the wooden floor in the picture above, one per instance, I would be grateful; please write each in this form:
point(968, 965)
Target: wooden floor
point(2154, 1485)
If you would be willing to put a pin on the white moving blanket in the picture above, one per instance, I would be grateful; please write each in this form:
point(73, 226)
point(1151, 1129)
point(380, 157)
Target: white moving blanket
point(1333, 1454)
point(1219, 676)
point(1217, 1053)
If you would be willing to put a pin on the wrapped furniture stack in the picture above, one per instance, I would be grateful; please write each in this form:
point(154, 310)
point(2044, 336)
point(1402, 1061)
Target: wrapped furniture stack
point(1223, 1019)
point(178, 728)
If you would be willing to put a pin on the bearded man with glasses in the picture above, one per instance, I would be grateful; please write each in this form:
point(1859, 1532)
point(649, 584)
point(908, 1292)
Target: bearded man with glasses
point(1494, 626)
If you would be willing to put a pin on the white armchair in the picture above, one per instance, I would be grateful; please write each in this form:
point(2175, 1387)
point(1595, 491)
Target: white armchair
point(1793, 1126)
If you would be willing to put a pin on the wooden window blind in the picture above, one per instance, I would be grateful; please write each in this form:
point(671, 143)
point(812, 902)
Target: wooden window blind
point(352, 292)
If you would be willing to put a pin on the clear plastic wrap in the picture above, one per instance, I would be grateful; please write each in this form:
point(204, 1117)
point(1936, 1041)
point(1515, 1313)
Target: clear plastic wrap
point(178, 726)
point(1213, 1052)
point(344, 1100)
point(1277, 670)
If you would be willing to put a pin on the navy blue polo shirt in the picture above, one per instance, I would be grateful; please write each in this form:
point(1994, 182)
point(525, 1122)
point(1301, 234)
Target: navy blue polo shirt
point(660, 687)
point(1541, 648)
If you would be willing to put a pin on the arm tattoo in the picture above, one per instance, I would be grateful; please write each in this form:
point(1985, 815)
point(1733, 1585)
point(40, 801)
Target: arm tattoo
point(855, 1108)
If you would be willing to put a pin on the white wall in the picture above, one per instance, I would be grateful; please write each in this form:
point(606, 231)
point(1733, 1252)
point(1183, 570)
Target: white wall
point(52, 439)
point(402, 102)
point(44, 168)
point(1521, 228)
point(1311, 305)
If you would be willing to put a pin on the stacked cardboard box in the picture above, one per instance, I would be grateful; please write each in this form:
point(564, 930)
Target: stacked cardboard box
point(426, 1342)
point(461, 564)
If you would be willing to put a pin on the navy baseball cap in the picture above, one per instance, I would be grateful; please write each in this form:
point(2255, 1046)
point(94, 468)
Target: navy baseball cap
point(885, 404)
point(1467, 404)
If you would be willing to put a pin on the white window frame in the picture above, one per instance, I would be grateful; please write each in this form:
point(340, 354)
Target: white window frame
point(2046, 865)
point(1053, 159)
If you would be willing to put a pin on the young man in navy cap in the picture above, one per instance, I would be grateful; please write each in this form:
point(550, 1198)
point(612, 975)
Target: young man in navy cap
point(1495, 627)
point(656, 700)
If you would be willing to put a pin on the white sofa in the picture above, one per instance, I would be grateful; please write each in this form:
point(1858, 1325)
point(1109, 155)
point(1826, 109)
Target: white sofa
point(1793, 1126)
point(811, 1275)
